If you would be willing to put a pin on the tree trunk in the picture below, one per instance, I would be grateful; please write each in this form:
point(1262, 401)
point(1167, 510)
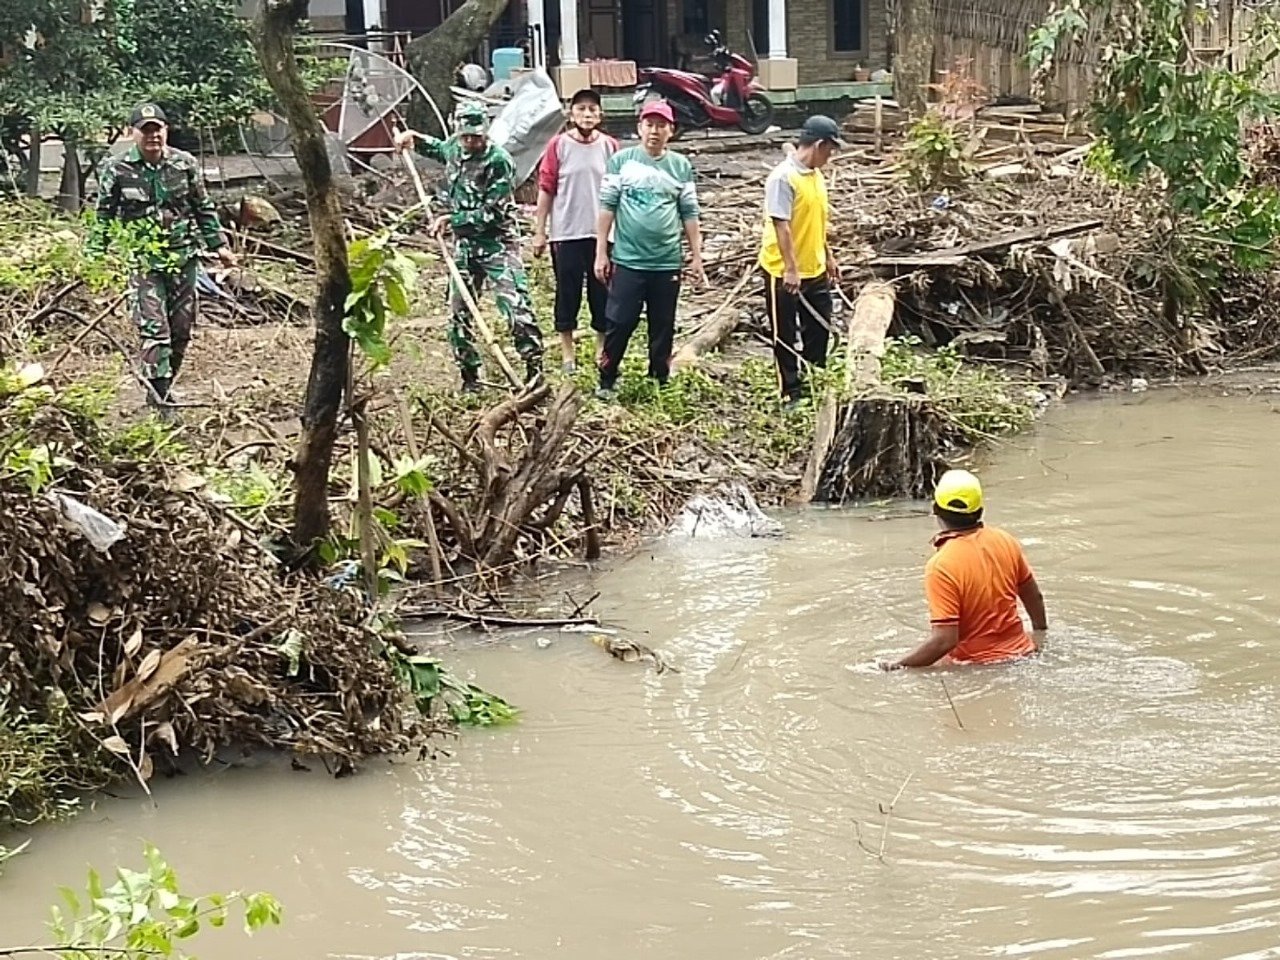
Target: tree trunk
point(331, 356)
point(913, 32)
point(434, 58)
point(33, 163)
point(70, 189)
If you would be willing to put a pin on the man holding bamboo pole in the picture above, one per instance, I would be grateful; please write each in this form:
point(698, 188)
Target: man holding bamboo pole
point(480, 177)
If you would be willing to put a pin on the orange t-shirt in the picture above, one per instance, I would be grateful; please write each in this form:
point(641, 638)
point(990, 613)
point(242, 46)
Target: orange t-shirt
point(973, 581)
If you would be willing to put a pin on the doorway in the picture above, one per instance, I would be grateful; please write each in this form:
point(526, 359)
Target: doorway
point(643, 31)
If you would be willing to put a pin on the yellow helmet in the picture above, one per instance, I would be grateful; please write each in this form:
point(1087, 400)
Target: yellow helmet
point(958, 491)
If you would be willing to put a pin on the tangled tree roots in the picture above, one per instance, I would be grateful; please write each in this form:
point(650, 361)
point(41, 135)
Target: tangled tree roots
point(884, 447)
point(523, 489)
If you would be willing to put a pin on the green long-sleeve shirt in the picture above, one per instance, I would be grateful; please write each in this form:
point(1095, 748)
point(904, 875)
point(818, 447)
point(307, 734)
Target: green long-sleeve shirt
point(480, 188)
point(169, 196)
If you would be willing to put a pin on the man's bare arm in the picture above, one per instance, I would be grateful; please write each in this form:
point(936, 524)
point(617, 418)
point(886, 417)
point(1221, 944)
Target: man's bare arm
point(943, 638)
point(1033, 600)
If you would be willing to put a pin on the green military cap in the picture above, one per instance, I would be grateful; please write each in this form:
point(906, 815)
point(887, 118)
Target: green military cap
point(471, 118)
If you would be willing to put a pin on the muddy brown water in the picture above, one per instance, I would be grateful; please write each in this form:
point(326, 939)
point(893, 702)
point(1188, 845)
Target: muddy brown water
point(1116, 799)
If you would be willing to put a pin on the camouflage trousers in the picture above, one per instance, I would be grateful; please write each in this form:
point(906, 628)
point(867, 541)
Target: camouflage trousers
point(164, 308)
point(479, 260)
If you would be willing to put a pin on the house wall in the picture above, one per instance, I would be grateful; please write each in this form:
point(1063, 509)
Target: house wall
point(989, 41)
point(809, 37)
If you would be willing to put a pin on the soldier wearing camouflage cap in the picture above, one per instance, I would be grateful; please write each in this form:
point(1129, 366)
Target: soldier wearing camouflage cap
point(156, 192)
point(480, 195)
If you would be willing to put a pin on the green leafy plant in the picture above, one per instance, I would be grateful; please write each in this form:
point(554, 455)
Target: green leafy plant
point(1066, 21)
point(938, 149)
point(431, 684)
point(1164, 115)
point(39, 247)
point(46, 762)
point(253, 492)
point(37, 465)
point(978, 399)
point(383, 280)
point(145, 914)
point(144, 440)
point(935, 153)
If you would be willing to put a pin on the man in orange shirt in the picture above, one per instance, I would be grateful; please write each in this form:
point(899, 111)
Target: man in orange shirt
point(973, 584)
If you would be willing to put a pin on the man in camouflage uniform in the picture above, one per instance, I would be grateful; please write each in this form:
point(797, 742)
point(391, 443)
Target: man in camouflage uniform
point(156, 192)
point(480, 194)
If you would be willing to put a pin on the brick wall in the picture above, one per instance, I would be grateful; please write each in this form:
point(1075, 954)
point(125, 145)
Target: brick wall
point(809, 29)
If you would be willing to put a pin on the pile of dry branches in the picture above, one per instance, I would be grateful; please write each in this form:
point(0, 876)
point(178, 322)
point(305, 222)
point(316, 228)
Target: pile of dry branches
point(181, 634)
point(1033, 261)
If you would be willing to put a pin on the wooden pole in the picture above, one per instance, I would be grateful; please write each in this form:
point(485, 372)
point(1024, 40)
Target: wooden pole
point(879, 125)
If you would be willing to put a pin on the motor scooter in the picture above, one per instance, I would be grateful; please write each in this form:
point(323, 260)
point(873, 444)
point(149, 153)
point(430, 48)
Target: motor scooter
point(733, 99)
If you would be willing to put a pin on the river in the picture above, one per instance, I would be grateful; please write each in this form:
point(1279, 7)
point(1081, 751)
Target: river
point(1115, 799)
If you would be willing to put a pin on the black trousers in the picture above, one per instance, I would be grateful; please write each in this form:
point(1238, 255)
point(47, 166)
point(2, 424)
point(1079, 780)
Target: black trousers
point(791, 313)
point(655, 292)
point(573, 262)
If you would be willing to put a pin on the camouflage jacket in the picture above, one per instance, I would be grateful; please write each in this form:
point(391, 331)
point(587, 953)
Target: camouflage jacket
point(170, 195)
point(480, 189)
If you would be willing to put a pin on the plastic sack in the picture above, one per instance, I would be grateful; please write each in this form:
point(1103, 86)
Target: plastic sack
point(101, 531)
point(527, 122)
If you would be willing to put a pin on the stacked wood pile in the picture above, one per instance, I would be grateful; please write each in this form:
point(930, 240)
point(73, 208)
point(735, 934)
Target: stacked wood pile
point(1033, 262)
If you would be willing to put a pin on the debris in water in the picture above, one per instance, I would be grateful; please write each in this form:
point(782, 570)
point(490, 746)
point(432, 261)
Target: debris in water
point(729, 512)
point(629, 651)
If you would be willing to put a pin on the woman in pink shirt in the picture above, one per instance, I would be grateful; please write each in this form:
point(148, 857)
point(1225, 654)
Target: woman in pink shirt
point(569, 197)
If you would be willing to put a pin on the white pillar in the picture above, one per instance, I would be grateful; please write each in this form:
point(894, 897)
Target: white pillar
point(777, 29)
point(537, 34)
point(569, 33)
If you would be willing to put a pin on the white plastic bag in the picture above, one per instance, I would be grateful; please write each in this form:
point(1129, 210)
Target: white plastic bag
point(731, 511)
point(528, 121)
point(101, 531)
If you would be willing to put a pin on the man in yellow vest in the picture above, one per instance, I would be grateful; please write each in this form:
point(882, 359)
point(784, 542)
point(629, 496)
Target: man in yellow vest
point(795, 256)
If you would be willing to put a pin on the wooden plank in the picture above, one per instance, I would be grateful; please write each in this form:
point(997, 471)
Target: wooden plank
point(872, 314)
point(994, 60)
point(953, 256)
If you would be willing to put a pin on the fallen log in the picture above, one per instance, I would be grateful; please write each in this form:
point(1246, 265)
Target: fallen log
point(716, 329)
point(882, 443)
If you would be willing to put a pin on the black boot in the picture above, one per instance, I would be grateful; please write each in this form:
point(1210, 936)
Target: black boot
point(159, 399)
point(470, 381)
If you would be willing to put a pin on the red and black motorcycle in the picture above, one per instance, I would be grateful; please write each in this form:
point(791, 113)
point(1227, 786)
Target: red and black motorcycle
point(733, 99)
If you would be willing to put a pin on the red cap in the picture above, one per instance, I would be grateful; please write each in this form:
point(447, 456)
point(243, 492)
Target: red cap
point(660, 109)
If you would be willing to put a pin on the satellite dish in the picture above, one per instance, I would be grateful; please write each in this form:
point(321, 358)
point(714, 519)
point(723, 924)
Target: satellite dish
point(359, 117)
